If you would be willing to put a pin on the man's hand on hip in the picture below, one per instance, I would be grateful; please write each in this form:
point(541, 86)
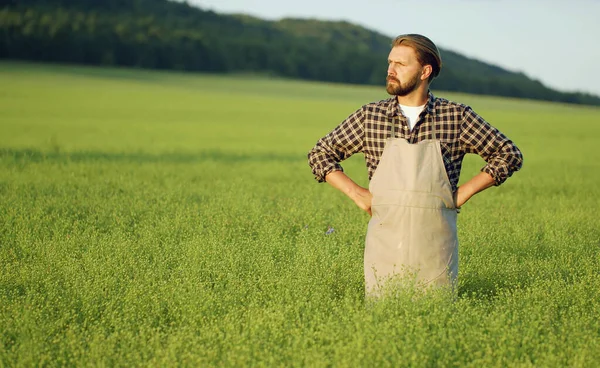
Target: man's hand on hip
point(361, 196)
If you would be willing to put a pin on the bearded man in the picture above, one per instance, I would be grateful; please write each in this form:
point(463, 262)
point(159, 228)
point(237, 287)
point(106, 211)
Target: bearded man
point(414, 144)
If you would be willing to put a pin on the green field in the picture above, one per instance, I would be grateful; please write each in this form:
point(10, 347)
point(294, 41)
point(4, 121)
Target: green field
point(163, 219)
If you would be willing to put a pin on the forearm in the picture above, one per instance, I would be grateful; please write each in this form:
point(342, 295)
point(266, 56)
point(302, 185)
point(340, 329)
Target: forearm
point(361, 196)
point(477, 183)
point(343, 183)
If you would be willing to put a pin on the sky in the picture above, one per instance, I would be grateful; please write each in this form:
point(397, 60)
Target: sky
point(554, 41)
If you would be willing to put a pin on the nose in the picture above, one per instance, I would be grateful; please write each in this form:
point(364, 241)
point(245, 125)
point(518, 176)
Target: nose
point(390, 70)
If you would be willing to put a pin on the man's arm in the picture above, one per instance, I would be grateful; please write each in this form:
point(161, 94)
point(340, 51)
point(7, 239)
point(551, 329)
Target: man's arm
point(477, 183)
point(341, 143)
point(325, 157)
point(361, 196)
point(502, 156)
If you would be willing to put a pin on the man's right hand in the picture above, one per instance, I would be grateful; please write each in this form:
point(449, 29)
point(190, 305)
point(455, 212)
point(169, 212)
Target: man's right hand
point(361, 196)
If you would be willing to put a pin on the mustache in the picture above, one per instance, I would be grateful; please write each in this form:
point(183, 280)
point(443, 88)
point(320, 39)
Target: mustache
point(390, 78)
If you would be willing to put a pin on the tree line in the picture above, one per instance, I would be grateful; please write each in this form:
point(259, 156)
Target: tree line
point(161, 34)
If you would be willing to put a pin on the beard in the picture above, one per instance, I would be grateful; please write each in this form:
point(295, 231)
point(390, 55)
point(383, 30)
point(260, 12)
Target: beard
point(399, 89)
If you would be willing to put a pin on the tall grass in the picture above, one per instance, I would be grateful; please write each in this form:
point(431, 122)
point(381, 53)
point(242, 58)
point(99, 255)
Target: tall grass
point(161, 219)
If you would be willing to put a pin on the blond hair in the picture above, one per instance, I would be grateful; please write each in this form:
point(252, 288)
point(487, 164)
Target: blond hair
point(427, 52)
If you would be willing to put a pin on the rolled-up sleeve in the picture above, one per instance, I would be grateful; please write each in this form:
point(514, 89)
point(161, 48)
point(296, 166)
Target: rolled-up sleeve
point(502, 156)
point(341, 143)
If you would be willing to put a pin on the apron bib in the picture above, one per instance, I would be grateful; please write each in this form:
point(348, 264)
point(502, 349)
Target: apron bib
point(412, 236)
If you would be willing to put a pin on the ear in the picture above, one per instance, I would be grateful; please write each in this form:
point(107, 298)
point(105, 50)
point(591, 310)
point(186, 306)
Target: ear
point(426, 72)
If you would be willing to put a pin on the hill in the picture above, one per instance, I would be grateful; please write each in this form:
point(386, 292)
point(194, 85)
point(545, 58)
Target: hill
point(161, 34)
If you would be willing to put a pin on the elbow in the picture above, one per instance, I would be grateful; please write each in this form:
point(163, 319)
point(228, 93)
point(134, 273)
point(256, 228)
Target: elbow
point(515, 161)
point(502, 169)
point(321, 165)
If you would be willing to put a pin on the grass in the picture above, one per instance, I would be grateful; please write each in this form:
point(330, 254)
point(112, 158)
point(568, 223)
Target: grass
point(165, 219)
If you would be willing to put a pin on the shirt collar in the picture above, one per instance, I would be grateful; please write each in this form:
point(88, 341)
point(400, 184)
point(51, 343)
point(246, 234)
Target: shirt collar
point(393, 108)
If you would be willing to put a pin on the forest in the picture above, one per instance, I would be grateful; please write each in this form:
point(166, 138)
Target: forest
point(168, 35)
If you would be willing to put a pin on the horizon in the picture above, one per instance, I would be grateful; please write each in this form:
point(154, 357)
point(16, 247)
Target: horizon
point(474, 33)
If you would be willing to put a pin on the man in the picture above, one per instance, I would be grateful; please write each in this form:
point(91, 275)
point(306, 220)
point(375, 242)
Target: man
point(413, 144)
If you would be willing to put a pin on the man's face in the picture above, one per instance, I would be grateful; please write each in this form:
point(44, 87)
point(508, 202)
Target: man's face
point(404, 71)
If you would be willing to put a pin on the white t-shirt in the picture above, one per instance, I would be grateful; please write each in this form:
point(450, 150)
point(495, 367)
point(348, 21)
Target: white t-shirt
point(412, 114)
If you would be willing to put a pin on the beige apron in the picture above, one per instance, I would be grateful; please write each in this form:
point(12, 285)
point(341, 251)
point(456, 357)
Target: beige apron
point(412, 235)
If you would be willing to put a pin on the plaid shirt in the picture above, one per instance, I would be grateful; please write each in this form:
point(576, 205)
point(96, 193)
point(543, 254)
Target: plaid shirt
point(458, 128)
